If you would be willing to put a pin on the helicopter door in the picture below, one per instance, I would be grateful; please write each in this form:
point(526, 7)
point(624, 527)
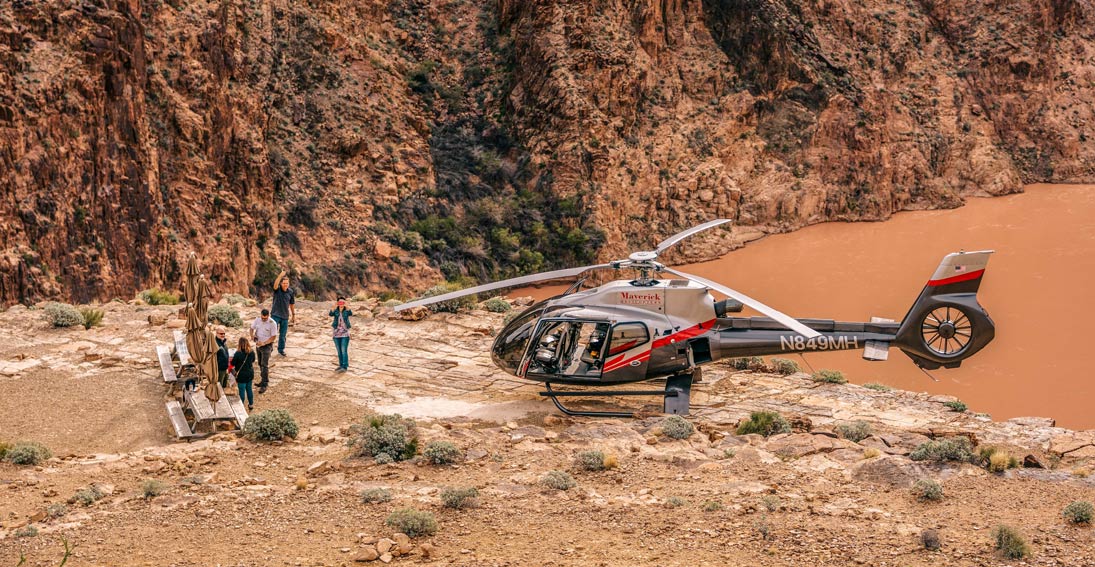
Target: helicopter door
point(628, 353)
point(567, 349)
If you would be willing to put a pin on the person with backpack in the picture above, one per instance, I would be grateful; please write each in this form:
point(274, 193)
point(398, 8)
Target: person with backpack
point(244, 364)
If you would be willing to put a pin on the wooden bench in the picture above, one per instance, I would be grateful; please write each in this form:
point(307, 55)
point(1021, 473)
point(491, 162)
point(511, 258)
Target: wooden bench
point(178, 420)
point(163, 352)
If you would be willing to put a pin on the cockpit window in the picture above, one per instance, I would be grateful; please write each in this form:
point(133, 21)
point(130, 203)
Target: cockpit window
point(626, 336)
point(512, 341)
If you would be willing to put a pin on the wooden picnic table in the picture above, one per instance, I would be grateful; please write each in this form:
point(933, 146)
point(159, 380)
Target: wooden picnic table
point(204, 415)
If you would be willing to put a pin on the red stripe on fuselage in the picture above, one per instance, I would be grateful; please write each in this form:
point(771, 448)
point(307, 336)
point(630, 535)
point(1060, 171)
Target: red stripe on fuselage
point(688, 333)
point(956, 279)
point(622, 363)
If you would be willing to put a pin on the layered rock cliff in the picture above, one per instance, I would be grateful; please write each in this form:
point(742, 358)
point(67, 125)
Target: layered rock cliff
point(375, 144)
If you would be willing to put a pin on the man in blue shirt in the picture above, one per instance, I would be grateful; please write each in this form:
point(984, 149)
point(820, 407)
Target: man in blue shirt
point(283, 310)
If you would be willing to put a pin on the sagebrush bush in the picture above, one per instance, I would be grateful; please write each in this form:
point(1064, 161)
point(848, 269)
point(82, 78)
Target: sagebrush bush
point(1010, 543)
point(854, 431)
point(25, 531)
point(155, 296)
point(770, 502)
point(27, 453)
point(929, 538)
point(442, 453)
point(376, 495)
point(4, 448)
point(784, 366)
point(766, 423)
point(956, 405)
point(950, 449)
point(675, 502)
point(927, 489)
point(558, 480)
point(497, 305)
point(829, 377)
point(712, 506)
point(412, 522)
point(878, 387)
point(458, 498)
point(384, 438)
point(1079, 512)
point(271, 425)
point(56, 510)
point(754, 363)
point(235, 299)
point(453, 305)
point(152, 488)
point(63, 315)
point(590, 460)
point(92, 317)
point(677, 427)
point(225, 315)
point(88, 496)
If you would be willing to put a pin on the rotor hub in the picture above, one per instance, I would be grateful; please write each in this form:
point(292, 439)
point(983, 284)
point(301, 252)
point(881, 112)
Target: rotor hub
point(644, 256)
point(946, 330)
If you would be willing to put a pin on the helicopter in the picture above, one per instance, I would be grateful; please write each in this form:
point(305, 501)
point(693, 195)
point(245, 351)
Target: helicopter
point(667, 324)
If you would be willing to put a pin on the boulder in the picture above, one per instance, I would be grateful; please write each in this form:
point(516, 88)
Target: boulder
point(896, 472)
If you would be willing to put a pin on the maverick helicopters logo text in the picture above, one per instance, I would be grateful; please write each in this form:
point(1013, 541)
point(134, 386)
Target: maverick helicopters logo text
point(629, 298)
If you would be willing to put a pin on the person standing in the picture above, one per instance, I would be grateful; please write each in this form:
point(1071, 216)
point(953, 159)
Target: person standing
point(244, 364)
point(283, 308)
point(222, 356)
point(340, 322)
point(264, 331)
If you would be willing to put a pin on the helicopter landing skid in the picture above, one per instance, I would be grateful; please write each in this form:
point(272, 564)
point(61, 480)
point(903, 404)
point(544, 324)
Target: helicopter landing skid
point(676, 398)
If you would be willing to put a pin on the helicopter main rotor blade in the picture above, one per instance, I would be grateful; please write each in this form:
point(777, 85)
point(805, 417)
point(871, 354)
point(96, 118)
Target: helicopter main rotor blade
point(781, 318)
point(686, 233)
point(512, 282)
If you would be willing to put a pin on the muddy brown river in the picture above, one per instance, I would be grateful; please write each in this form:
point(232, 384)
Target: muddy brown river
point(1037, 289)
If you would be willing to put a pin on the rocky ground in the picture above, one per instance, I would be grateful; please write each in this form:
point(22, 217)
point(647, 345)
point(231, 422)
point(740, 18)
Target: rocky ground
point(804, 498)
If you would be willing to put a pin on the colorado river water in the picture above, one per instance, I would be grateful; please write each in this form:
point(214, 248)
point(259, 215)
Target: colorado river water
point(1037, 289)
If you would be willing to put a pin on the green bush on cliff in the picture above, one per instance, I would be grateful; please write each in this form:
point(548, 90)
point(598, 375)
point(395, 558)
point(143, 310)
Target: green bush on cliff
point(385, 438)
point(784, 366)
point(271, 425)
point(497, 305)
point(155, 296)
point(92, 317)
point(1010, 543)
point(452, 305)
point(765, 423)
point(830, 377)
point(225, 315)
point(951, 449)
point(27, 453)
point(1079, 512)
point(63, 315)
point(855, 431)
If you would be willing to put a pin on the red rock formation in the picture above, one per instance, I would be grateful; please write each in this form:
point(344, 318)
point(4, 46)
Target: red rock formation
point(367, 144)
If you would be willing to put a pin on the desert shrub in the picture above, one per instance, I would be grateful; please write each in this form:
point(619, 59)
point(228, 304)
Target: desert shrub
point(590, 460)
point(878, 387)
point(930, 540)
point(383, 459)
point(770, 502)
point(155, 296)
point(92, 317)
point(458, 498)
point(675, 502)
point(677, 427)
point(235, 299)
point(558, 480)
point(855, 431)
point(784, 366)
point(63, 315)
point(453, 305)
point(871, 452)
point(271, 425)
point(763, 527)
point(951, 449)
point(497, 305)
point(27, 453)
point(442, 453)
point(927, 489)
point(26, 531)
point(712, 506)
point(1079, 512)
point(766, 423)
point(829, 377)
point(754, 363)
point(611, 461)
point(376, 495)
point(88, 496)
point(226, 315)
point(152, 488)
point(1001, 461)
point(1010, 543)
point(4, 448)
point(56, 510)
point(956, 405)
point(412, 522)
point(385, 438)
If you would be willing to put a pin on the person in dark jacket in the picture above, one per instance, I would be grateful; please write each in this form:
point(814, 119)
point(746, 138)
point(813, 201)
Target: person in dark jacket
point(222, 356)
point(244, 363)
point(340, 322)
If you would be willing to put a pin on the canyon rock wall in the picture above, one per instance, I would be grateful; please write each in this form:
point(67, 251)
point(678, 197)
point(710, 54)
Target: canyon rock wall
point(380, 144)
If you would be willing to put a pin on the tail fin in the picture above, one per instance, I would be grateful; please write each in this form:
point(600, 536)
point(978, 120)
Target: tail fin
point(946, 324)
